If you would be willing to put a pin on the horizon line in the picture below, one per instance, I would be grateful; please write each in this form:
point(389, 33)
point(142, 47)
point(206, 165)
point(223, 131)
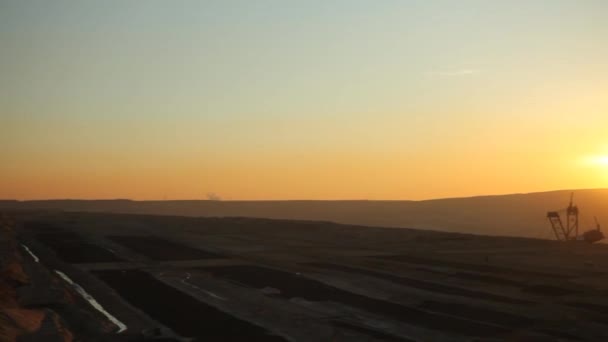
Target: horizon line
point(295, 200)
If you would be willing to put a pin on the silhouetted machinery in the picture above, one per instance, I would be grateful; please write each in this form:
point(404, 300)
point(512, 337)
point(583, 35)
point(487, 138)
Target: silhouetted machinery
point(570, 232)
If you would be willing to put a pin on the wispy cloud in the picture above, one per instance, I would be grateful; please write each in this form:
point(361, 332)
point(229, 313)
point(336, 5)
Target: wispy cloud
point(454, 73)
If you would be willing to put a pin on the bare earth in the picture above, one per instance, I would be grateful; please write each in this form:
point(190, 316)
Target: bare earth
point(244, 279)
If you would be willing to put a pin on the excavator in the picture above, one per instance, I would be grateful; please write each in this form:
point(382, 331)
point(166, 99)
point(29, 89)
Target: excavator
point(570, 232)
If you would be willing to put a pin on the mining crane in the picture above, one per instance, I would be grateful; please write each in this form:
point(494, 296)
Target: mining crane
point(570, 232)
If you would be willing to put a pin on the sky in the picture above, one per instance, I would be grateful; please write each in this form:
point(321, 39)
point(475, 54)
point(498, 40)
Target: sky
point(262, 100)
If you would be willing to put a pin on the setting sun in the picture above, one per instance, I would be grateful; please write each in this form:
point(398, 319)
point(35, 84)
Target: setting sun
point(601, 160)
point(597, 160)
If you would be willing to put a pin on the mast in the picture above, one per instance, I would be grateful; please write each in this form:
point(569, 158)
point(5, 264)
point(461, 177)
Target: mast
point(572, 219)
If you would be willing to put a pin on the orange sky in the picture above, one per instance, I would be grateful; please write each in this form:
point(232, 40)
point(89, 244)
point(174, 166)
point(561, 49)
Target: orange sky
point(324, 101)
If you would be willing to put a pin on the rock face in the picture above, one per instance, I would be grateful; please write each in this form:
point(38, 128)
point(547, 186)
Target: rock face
point(23, 317)
point(35, 305)
point(39, 302)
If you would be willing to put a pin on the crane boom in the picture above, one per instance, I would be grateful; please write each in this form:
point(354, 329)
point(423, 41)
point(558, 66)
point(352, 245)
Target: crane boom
point(568, 230)
point(557, 225)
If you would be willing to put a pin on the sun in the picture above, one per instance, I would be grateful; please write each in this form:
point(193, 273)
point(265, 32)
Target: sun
point(599, 160)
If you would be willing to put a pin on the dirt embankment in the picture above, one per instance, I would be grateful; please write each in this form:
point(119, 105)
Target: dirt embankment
point(23, 317)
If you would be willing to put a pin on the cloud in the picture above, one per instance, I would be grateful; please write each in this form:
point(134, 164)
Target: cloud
point(454, 73)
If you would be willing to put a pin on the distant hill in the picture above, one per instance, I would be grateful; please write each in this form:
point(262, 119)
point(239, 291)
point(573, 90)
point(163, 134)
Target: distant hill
point(510, 215)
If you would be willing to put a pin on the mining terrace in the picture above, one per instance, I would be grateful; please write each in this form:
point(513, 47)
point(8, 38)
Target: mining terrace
point(119, 277)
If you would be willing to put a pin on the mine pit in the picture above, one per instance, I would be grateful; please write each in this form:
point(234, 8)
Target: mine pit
point(72, 248)
point(488, 279)
point(484, 268)
point(476, 277)
point(548, 290)
point(295, 286)
point(423, 285)
point(180, 312)
point(159, 249)
point(603, 309)
point(369, 332)
point(478, 313)
point(93, 302)
point(212, 285)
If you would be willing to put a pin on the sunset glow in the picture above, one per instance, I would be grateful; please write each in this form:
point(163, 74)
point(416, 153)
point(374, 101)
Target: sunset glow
point(321, 100)
point(600, 160)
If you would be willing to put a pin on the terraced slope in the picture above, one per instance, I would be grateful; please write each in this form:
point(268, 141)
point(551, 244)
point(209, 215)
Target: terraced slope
point(241, 279)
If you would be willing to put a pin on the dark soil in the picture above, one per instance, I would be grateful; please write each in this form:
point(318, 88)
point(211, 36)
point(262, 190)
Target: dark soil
point(296, 286)
point(161, 250)
point(184, 314)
